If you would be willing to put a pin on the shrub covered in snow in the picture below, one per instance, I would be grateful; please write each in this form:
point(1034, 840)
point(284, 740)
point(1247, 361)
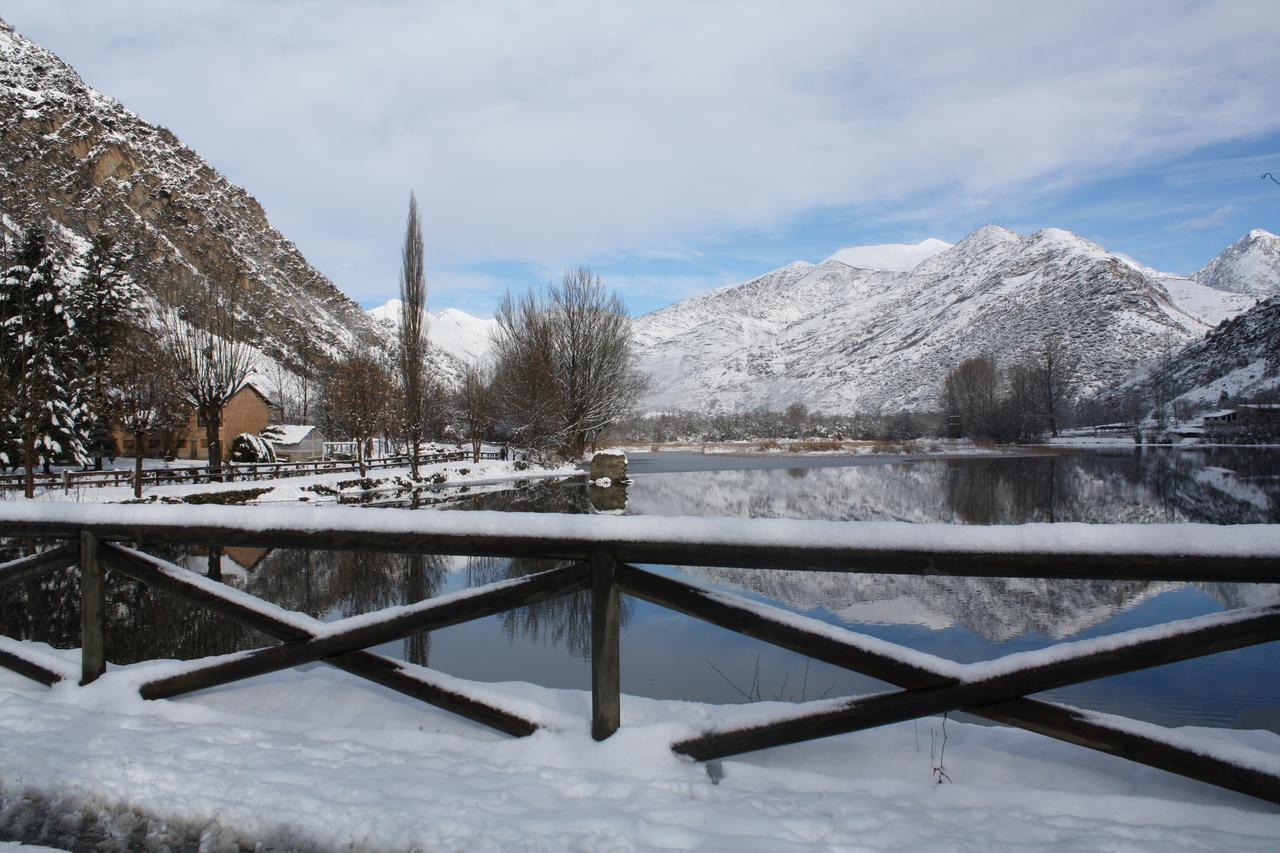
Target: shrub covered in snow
point(247, 447)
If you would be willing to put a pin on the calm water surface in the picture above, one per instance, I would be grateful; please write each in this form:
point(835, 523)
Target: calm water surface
point(667, 655)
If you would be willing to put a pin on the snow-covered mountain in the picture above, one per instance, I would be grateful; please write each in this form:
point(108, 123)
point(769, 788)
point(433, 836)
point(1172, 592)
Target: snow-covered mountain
point(80, 158)
point(890, 257)
point(456, 337)
point(843, 338)
point(1250, 265)
point(1203, 302)
point(458, 333)
point(1241, 357)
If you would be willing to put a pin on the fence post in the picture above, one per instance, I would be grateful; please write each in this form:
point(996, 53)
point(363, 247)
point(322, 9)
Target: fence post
point(93, 606)
point(66, 481)
point(606, 680)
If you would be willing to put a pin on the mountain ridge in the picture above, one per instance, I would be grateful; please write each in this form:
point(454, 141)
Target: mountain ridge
point(846, 339)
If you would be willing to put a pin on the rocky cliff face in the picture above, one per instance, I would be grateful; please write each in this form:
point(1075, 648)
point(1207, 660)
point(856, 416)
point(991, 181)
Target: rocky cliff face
point(80, 158)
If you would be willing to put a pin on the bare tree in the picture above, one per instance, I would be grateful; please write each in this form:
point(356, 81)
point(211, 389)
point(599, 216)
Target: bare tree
point(564, 362)
point(1162, 387)
point(211, 359)
point(1020, 411)
point(147, 396)
point(357, 395)
point(282, 381)
point(971, 392)
point(1054, 375)
point(475, 405)
point(524, 387)
point(412, 354)
point(308, 362)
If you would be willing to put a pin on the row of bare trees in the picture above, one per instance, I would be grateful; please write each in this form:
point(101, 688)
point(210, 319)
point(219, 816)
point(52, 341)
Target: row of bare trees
point(1016, 402)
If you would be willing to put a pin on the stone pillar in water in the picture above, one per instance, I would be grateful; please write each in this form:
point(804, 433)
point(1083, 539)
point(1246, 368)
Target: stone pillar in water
point(610, 465)
point(608, 486)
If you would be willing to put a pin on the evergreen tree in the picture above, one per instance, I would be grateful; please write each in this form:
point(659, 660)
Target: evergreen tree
point(104, 304)
point(42, 410)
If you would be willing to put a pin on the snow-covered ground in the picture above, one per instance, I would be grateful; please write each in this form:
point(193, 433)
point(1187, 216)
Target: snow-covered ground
point(296, 489)
point(322, 760)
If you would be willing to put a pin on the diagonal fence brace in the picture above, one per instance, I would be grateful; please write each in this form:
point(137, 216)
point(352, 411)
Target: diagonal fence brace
point(882, 709)
point(373, 630)
point(932, 680)
point(38, 565)
point(268, 619)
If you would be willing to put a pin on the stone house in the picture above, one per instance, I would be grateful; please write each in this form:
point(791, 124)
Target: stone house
point(248, 410)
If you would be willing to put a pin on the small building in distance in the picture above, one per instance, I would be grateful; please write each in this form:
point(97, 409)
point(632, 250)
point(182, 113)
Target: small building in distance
point(1244, 422)
point(295, 442)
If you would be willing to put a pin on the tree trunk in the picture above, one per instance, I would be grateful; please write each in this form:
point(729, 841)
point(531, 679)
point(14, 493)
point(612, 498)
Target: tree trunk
point(414, 450)
point(475, 451)
point(213, 426)
point(29, 451)
point(137, 463)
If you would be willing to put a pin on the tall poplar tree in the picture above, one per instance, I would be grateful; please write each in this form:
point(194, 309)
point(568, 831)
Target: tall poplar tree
point(412, 355)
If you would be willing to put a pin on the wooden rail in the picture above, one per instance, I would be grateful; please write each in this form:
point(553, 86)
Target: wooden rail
point(600, 555)
point(232, 471)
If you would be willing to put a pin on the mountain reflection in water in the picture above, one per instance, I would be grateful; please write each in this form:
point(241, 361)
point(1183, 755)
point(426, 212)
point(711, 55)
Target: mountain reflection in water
point(669, 656)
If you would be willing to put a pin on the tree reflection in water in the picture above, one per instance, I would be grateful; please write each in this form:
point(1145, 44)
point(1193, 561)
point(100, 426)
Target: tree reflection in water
point(566, 619)
point(146, 624)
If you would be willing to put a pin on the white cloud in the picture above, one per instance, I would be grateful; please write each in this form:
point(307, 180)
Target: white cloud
point(1216, 217)
point(557, 132)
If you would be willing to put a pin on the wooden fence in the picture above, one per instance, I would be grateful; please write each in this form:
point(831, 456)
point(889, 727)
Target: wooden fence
point(602, 555)
point(232, 471)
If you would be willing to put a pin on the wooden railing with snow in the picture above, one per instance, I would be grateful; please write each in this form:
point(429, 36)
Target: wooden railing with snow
point(231, 471)
point(603, 554)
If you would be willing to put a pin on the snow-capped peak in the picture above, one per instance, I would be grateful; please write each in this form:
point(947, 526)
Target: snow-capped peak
point(1250, 265)
point(890, 257)
point(461, 335)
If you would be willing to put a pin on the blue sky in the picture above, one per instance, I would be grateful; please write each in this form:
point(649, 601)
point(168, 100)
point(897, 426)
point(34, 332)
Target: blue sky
point(675, 147)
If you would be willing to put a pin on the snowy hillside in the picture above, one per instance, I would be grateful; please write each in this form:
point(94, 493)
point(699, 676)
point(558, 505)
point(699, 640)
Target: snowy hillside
point(1203, 302)
point(1251, 265)
point(91, 165)
point(1240, 357)
point(841, 338)
point(890, 257)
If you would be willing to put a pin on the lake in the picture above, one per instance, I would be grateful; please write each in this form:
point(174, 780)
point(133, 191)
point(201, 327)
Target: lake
point(667, 655)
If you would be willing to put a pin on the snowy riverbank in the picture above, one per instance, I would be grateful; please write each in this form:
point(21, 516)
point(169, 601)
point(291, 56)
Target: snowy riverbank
point(322, 487)
point(321, 760)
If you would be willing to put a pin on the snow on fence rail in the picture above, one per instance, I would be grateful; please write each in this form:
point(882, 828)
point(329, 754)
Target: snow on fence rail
point(600, 554)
